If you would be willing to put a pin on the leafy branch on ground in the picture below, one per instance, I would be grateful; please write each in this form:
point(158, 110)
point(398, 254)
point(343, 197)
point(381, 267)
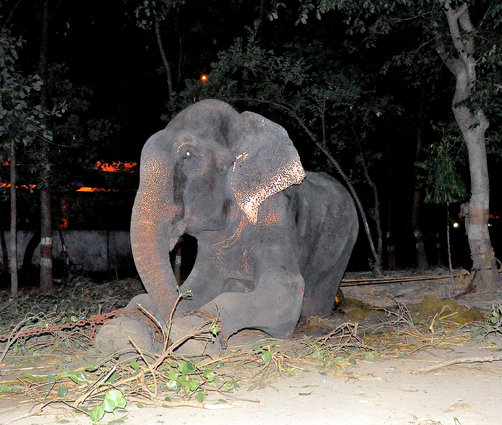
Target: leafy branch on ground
point(63, 367)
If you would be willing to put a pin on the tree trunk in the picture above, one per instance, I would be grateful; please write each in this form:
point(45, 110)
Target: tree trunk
point(390, 245)
point(422, 263)
point(371, 183)
point(473, 125)
point(13, 222)
point(163, 55)
point(46, 283)
point(5, 256)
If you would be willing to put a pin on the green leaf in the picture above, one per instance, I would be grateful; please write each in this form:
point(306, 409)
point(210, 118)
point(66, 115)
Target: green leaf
point(5, 388)
point(172, 385)
point(369, 356)
point(173, 375)
point(112, 378)
point(117, 397)
point(97, 413)
point(74, 377)
point(73, 319)
point(135, 365)
point(193, 385)
point(266, 356)
point(109, 405)
point(317, 355)
point(256, 347)
point(62, 390)
point(200, 396)
point(91, 368)
point(187, 367)
point(209, 375)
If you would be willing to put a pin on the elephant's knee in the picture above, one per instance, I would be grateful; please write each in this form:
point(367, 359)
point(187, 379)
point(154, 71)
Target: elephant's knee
point(145, 303)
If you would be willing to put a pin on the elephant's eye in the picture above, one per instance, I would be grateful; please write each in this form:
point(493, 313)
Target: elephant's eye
point(188, 154)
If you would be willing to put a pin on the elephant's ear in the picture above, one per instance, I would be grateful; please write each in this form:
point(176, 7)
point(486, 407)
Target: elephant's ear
point(267, 163)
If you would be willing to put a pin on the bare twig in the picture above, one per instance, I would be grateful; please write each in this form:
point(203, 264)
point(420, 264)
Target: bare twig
point(461, 360)
point(82, 398)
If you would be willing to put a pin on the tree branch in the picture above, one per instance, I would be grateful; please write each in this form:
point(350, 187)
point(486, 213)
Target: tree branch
point(162, 51)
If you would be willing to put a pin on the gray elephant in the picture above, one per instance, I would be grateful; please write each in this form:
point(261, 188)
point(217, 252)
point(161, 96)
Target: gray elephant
point(273, 241)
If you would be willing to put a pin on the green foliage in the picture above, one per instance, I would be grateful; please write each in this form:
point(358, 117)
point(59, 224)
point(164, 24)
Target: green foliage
point(443, 183)
point(20, 119)
point(147, 11)
point(114, 400)
point(62, 390)
point(306, 88)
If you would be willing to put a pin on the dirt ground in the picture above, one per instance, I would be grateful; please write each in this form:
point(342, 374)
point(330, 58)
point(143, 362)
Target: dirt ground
point(379, 392)
point(392, 388)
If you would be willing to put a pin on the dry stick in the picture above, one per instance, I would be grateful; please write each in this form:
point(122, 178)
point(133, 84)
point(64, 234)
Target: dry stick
point(185, 403)
point(91, 389)
point(40, 409)
point(14, 335)
point(460, 361)
point(155, 386)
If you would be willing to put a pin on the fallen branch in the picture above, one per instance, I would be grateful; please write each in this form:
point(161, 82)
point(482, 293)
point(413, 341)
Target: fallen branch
point(14, 335)
point(461, 360)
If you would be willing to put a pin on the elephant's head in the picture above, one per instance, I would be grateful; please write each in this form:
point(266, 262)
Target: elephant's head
point(209, 162)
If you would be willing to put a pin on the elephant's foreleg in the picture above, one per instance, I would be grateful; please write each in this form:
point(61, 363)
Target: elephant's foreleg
point(272, 307)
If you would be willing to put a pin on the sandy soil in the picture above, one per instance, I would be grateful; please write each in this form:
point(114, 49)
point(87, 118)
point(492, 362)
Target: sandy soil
point(384, 391)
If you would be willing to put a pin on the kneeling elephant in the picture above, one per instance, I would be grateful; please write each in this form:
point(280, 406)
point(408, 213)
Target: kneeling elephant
point(273, 241)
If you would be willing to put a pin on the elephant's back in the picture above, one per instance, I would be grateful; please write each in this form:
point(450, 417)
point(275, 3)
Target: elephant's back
point(326, 225)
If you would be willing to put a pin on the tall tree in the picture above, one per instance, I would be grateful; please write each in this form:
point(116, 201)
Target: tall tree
point(46, 283)
point(19, 125)
point(473, 123)
point(448, 27)
point(152, 14)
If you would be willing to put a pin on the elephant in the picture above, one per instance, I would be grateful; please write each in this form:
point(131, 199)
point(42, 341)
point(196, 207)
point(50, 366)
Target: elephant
point(273, 240)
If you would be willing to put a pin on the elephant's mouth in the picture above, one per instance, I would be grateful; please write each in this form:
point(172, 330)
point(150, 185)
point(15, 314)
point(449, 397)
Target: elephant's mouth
point(182, 257)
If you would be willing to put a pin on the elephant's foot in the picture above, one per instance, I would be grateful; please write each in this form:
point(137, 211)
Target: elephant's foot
point(189, 341)
point(132, 331)
point(127, 334)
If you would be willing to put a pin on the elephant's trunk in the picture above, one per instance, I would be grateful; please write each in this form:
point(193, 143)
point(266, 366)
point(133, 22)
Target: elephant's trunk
point(152, 226)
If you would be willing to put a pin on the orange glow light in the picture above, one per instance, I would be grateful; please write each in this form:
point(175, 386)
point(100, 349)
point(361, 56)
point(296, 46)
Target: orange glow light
point(114, 167)
point(95, 189)
point(204, 78)
point(23, 186)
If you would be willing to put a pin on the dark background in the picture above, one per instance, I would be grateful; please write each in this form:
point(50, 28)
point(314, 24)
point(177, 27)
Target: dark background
point(105, 51)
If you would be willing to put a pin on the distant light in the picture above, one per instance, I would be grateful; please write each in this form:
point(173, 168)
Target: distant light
point(204, 78)
point(95, 189)
point(113, 167)
point(455, 225)
point(490, 225)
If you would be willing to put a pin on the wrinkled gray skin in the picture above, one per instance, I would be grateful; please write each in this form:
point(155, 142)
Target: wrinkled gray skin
point(262, 275)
